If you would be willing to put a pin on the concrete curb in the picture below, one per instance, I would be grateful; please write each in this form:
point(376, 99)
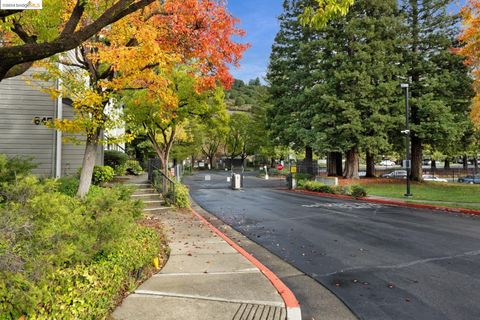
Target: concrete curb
point(392, 202)
point(291, 303)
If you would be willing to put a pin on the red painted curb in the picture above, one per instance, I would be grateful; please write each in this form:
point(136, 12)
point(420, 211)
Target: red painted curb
point(392, 202)
point(286, 294)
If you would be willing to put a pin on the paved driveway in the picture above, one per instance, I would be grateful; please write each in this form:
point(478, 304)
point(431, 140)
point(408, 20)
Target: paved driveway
point(384, 262)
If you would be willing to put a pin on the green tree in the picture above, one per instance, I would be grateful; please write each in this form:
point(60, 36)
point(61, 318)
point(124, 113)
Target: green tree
point(358, 99)
point(165, 118)
point(289, 75)
point(335, 89)
point(213, 133)
point(242, 139)
point(440, 85)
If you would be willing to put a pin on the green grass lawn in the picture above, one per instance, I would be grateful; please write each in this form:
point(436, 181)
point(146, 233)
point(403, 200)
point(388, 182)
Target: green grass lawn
point(465, 196)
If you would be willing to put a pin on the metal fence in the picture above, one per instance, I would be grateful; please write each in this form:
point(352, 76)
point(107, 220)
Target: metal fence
point(160, 181)
point(308, 167)
point(452, 174)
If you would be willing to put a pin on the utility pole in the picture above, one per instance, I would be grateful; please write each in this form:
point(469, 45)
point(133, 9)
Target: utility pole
point(408, 164)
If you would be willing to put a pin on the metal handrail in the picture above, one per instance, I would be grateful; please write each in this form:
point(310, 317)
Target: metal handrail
point(162, 183)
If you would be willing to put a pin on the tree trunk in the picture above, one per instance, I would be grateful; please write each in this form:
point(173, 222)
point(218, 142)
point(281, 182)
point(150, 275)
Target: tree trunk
point(465, 162)
point(370, 165)
point(447, 164)
point(433, 164)
point(475, 163)
point(211, 159)
point(309, 160)
point(339, 163)
point(88, 163)
point(331, 164)
point(416, 163)
point(351, 164)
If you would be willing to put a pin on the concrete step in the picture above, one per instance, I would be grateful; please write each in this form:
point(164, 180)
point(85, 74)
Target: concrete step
point(148, 197)
point(156, 209)
point(140, 185)
point(144, 191)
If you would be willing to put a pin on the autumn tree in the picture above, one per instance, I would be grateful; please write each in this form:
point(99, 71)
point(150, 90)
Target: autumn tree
point(137, 54)
point(470, 50)
point(27, 36)
point(165, 117)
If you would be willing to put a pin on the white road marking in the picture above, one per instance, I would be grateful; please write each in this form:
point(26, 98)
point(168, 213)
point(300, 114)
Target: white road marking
point(405, 264)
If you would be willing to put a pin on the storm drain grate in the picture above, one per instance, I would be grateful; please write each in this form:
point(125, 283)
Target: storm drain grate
point(259, 312)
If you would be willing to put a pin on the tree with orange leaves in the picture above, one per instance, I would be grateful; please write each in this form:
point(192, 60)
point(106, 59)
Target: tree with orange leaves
point(27, 36)
point(138, 53)
point(471, 50)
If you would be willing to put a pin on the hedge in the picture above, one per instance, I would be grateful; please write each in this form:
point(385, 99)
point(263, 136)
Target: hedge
point(62, 257)
point(355, 191)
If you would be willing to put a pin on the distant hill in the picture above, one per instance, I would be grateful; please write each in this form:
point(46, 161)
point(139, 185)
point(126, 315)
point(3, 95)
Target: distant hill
point(241, 97)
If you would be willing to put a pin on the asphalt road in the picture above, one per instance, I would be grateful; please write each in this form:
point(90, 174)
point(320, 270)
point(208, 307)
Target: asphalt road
point(384, 262)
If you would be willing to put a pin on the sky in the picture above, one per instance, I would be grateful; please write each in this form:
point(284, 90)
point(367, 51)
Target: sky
point(259, 19)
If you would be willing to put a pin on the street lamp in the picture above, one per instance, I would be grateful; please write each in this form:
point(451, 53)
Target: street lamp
point(406, 132)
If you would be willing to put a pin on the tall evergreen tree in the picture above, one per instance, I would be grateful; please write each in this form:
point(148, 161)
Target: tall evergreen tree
point(360, 62)
point(335, 88)
point(440, 85)
point(289, 75)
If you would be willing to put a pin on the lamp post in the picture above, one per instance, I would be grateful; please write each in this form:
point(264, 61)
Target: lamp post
point(407, 139)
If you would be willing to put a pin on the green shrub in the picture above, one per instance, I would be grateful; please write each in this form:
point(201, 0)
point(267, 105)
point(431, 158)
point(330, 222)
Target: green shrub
point(63, 257)
point(22, 190)
point(121, 169)
point(114, 158)
point(303, 176)
point(358, 191)
point(354, 191)
point(341, 190)
point(102, 174)
point(318, 187)
point(133, 167)
point(182, 196)
point(68, 185)
point(326, 189)
point(14, 167)
point(301, 184)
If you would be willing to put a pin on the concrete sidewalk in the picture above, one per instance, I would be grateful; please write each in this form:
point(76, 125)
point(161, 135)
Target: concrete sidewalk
point(204, 278)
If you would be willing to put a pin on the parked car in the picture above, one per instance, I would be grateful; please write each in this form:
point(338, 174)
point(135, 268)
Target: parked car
point(470, 179)
point(387, 163)
point(426, 177)
point(398, 174)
